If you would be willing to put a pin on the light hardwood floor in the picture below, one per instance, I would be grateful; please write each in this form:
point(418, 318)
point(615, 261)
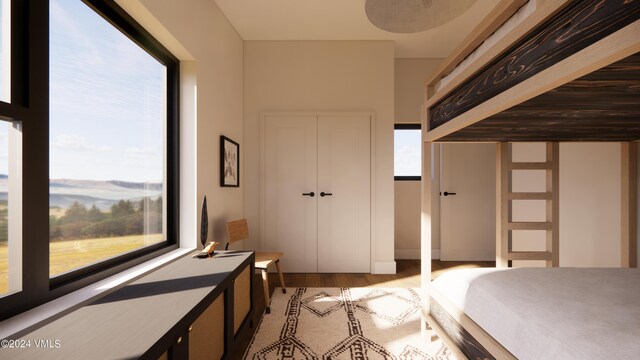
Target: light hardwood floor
point(407, 276)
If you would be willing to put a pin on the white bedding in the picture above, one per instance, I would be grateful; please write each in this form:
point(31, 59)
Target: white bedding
point(552, 313)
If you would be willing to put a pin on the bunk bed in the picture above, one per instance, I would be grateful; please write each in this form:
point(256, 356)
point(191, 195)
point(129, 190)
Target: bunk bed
point(539, 71)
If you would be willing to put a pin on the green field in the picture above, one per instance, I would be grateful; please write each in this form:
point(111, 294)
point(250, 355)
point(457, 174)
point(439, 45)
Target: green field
point(73, 254)
point(4, 223)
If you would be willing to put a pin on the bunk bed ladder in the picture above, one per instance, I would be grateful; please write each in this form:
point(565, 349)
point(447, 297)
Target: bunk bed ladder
point(504, 196)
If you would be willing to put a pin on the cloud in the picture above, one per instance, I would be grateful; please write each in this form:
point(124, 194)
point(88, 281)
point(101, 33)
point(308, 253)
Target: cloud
point(408, 160)
point(145, 153)
point(66, 19)
point(76, 142)
point(146, 159)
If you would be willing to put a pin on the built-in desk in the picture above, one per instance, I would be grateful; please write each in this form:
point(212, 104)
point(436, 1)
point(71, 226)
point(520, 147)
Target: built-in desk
point(207, 300)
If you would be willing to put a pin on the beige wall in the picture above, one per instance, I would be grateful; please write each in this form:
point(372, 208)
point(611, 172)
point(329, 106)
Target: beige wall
point(589, 203)
point(211, 103)
point(324, 76)
point(410, 75)
point(407, 219)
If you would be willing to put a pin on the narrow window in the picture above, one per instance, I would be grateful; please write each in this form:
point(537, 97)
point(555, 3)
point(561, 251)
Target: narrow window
point(5, 50)
point(4, 207)
point(10, 171)
point(407, 152)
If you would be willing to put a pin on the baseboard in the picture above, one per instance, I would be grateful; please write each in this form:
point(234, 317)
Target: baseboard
point(384, 267)
point(414, 254)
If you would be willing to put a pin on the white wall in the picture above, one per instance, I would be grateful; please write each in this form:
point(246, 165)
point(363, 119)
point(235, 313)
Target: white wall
point(410, 75)
point(211, 104)
point(324, 76)
point(589, 203)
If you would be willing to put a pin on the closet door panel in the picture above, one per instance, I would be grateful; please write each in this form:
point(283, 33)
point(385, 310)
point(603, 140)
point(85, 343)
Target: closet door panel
point(289, 171)
point(344, 231)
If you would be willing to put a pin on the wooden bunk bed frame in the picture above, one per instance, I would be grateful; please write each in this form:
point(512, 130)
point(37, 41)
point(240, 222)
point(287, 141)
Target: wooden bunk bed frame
point(569, 71)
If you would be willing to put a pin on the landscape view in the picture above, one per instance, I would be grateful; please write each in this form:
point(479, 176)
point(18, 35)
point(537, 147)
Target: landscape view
point(107, 162)
point(91, 221)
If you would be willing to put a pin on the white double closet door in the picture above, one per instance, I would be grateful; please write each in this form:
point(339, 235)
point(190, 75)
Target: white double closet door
point(316, 191)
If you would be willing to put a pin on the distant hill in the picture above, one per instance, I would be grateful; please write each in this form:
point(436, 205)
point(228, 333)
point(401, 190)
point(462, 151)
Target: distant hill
point(109, 184)
point(64, 201)
point(103, 194)
point(137, 185)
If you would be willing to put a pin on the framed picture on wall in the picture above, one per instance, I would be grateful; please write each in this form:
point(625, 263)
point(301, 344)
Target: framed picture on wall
point(229, 162)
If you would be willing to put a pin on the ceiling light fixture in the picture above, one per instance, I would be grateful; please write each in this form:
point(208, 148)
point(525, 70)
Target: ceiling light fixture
point(411, 16)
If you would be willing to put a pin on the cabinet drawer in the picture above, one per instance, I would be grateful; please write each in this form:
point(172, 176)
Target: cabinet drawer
point(206, 338)
point(241, 298)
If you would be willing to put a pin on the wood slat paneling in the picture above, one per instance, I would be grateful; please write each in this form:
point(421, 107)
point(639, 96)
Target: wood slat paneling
point(601, 106)
point(573, 29)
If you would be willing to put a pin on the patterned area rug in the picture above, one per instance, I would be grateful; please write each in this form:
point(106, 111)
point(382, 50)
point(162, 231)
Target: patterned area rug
point(344, 323)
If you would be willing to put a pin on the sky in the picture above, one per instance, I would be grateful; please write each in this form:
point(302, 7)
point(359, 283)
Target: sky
point(107, 99)
point(407, 158)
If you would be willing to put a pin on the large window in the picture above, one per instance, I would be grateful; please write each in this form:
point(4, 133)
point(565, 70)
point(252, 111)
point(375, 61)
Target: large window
point(407, 150)
point(92, 130)
point(107, 130)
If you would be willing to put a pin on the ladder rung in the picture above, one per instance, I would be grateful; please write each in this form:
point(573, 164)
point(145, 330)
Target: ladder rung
point(530, 165)
point(529, 226)
point(529, 255)
point(530, 196)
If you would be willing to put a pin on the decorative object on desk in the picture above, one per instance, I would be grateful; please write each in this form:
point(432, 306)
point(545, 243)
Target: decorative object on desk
point(208, 250)
point(204, 223)
point(229, 162)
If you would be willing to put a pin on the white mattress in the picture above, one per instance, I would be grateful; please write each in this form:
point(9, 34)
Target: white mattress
point(552, 313)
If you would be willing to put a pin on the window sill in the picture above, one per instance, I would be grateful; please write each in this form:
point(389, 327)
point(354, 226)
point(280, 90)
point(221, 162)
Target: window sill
point(27, 320)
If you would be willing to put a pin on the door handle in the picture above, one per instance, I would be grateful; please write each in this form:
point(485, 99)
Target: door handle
point(448, 193)
point(312, 194)
point(323, 194)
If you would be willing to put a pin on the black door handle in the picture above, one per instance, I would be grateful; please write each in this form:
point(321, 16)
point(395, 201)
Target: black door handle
point(312, 194)
point(448, 193)
point(323, 194)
